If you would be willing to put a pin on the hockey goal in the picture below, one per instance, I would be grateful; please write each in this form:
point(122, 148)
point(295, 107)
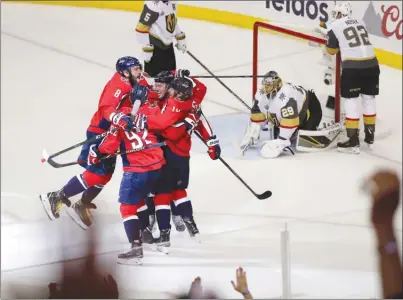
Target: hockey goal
point(290, 52)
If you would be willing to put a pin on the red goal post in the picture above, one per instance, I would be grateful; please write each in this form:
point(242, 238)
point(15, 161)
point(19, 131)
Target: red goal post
point(299, 35)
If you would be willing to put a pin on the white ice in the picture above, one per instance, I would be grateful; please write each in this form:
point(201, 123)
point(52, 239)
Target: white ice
point(55, 62)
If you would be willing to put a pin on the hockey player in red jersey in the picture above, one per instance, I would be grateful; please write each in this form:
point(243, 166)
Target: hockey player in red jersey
point(184, 98)
point(141, 171)
point(94, 178)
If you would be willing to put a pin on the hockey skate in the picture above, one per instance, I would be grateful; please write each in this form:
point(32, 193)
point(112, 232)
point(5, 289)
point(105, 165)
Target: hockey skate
point(352, 145)
point(369, 131)
point(191, 227)
point(135, 254)
point(164, 242)
point(147, 236)
point(53, 202)
point(178, 222)
point(80, 213)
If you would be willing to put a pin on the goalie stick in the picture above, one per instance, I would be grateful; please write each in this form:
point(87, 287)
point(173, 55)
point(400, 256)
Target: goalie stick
point(57, 165)
point(263, 196)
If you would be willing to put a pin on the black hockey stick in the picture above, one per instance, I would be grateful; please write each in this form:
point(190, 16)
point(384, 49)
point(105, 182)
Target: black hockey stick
point(218, 79)
point(262, 196)
point(59, 165)
point(228, 76)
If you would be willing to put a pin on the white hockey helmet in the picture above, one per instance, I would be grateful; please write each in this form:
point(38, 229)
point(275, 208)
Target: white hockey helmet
point(342, 9)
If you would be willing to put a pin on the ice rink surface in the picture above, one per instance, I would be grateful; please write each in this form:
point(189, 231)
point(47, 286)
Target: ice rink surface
point(55, 62)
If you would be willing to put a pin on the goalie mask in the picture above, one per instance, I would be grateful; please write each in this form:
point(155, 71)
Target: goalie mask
point(271, 84)
point(341, 10)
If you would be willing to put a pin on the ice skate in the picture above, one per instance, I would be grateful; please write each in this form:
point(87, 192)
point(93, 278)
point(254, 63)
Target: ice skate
point(135, 254)
point(369, 131)
point(191, 227)
point(80, 213)
point(53, 202)
point(147, 236)
point(163, 242)
point(178, 222)
point(352, 145)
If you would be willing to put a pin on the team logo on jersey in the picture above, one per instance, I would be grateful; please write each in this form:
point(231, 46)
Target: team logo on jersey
point(282, 96)
point(171, 23)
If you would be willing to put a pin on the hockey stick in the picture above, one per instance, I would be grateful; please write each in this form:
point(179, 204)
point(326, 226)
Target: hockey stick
point(49, 158)
point(229, 76)
point(218, 79)
point(59, 165)
point(262, 196)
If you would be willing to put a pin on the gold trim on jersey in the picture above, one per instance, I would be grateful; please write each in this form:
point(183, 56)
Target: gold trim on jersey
point(258, 117)
point(369, 119)
point(290, 123)
point(332, 51)
point(142, 28)
point(352, 123)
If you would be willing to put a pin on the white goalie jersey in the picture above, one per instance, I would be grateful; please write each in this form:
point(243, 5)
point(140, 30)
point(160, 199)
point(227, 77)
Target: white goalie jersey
point(286, 110)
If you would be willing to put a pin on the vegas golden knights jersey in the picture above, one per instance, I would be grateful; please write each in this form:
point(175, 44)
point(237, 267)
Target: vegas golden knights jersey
point(158, 24)
point(351, 37)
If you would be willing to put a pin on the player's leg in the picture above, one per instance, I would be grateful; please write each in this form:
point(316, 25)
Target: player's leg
point(162, 200)
point(369, 91)
point(179, 194)
point(350, 87)
point(176, 218)
point(133, 189)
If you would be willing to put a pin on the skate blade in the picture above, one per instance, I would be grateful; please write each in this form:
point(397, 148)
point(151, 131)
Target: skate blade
point(163, 249)
point(130, 261)
point(196, 238)
point(76, 218)
point(46, 205)
point(349, 150)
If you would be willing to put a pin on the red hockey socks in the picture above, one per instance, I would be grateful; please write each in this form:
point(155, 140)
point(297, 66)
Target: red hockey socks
point(131, 221)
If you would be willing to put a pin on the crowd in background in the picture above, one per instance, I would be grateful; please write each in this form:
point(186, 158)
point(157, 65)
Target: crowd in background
point(384, 190)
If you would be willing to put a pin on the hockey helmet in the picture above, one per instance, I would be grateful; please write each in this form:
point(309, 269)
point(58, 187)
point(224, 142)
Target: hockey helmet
point(342, 9)
point(182, 86)
point(164, 77)
point(271, 84)
point(125, 63)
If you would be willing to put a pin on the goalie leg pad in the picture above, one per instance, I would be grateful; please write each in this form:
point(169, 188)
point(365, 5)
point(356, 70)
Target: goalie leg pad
point(273, 148)
point(251, 135)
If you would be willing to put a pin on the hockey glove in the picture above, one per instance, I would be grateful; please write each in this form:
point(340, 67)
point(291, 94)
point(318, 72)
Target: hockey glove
point(181, 39)
point(181, 73)
point(94, 156)
point(140, 122)
point(214, 149)
point(191, 121)
point(139, 92)
point(148, 51)
point(122, 120)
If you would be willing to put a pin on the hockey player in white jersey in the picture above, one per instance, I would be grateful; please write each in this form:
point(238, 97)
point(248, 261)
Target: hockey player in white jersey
point(288, 108)
point(156, 30)
point(360, 74)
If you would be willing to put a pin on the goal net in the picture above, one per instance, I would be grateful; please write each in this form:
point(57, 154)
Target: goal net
point(296, 55)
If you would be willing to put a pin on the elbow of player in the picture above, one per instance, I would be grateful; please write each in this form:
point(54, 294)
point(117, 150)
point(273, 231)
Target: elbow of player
point(332, 51)
point(141, 28)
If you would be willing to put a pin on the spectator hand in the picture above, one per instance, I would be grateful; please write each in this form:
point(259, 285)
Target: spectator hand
point(241, 285)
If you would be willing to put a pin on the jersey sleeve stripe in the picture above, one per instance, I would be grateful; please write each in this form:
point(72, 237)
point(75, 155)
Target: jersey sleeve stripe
point(289, 123)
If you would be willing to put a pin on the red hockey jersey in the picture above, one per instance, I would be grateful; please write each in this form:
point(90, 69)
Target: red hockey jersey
point(114, 96)
point(177, 137)
point(142, 161)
